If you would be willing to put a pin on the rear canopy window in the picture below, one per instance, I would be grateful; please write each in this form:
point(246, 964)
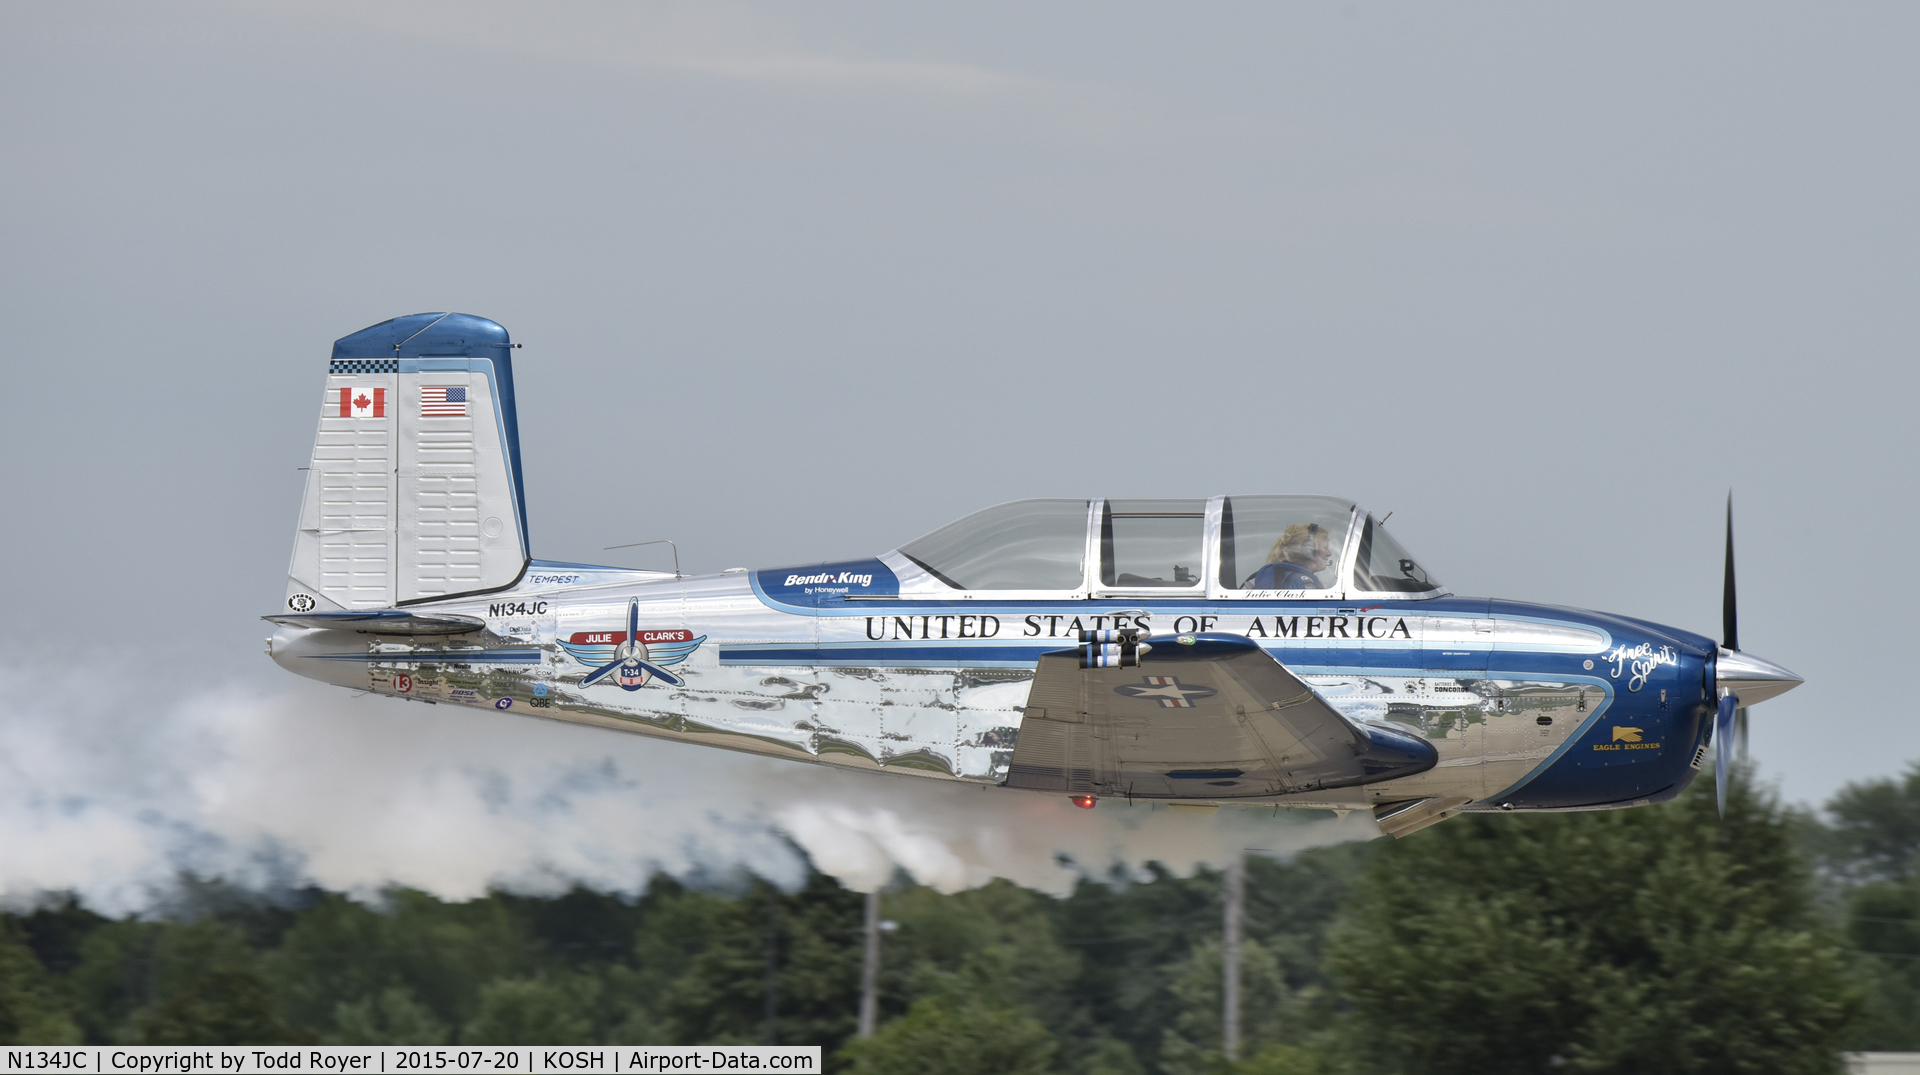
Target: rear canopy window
point(1021, 545)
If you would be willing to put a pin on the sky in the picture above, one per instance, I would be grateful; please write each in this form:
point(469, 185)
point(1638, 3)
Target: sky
point(1546, 282)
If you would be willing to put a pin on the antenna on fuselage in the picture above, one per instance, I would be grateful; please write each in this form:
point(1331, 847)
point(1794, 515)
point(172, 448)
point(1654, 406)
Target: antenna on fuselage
point(661, 541)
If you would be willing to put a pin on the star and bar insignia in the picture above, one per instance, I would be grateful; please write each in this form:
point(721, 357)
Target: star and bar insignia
point(1167, 690)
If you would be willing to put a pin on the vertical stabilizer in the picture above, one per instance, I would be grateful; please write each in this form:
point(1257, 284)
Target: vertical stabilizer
point(414, 490)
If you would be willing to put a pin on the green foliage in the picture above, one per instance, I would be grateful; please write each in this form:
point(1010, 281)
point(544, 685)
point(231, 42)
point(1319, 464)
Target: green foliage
point(1876, 828)
point(1872, 844)
point(1127, 934)
point(391, 1017)
point(1658, 939)
point(528, 1011)
point(1883, 926)
point(161, 983)
point(57, 931)
point(31, 1010)
point(938, 1037)
point(439, 954)
point(1105, 1056)
point(116, 974)
point(1279, 1059)
point(994, 945)
point(1191, 1046)
point(1650, 940)
point(1136, 940)
point(808, 944)
point(222, 1005)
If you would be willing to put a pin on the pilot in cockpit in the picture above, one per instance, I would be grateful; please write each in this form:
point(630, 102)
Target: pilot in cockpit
point(1292, 564)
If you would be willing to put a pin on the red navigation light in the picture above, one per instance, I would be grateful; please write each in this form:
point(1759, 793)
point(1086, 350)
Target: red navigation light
point(1084, 802)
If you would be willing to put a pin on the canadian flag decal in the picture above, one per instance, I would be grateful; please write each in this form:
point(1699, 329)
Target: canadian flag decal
point(363, 403)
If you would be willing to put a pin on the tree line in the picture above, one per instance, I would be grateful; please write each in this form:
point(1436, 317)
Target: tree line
point(1651, 940)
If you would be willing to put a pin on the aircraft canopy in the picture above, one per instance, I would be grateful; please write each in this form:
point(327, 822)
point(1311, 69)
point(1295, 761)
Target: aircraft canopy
point(1226, 547)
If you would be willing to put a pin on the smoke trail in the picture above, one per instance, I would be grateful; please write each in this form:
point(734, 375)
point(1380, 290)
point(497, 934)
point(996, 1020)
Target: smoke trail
point(111, 796)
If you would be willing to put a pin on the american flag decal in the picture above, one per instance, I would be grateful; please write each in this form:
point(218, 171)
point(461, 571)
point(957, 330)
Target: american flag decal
point(443, 402)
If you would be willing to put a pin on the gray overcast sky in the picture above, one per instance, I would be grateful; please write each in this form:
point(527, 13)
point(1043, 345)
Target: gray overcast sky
point(1543, 280)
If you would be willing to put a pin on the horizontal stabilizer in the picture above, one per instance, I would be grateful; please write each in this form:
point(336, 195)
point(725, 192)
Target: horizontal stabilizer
point(383, 621)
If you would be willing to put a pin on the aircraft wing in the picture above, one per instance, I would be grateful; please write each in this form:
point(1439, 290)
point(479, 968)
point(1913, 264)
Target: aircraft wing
point(1208, 716)
point(384, 621)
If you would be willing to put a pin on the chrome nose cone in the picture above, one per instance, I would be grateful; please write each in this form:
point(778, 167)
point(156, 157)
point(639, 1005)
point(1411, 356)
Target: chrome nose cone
point(1753, 679)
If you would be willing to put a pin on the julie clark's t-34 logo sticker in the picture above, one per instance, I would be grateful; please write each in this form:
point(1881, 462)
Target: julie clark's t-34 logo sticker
point(631, 658)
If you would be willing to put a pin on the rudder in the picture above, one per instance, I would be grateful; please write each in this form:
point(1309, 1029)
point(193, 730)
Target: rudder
point(414, 490)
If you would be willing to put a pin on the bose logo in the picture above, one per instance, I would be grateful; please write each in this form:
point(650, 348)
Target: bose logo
point(843, 577)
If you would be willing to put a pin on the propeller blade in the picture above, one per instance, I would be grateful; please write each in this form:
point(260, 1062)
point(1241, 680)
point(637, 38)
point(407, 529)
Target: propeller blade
point(1723, 734)
point(1737, 724)
point(600, 673)
point(1729, 607)
point(630, 645)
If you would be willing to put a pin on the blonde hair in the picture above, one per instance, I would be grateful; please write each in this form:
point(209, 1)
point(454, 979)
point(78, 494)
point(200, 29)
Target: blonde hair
point(1299, 539)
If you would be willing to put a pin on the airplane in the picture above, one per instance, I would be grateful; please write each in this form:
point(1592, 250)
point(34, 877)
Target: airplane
point(1257, 650)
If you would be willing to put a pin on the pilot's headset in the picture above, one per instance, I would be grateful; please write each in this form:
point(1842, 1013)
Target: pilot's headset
point(1309, 541)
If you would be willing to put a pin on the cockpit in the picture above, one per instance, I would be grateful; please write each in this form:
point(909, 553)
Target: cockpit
point(1228, 547)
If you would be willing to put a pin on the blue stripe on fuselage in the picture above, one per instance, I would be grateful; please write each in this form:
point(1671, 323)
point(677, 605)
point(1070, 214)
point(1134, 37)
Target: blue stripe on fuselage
point(843, 654)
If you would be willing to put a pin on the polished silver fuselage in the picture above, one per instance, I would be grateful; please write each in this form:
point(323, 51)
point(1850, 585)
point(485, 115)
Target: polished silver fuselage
point(936, 689)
